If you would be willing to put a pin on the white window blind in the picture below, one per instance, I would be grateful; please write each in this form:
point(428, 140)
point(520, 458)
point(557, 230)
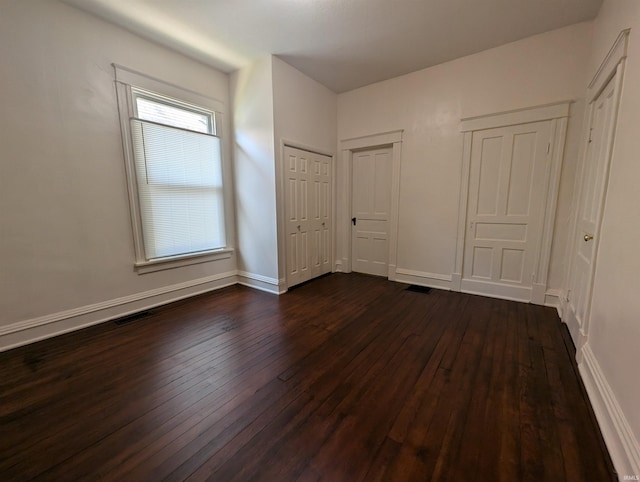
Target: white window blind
point(179, 178)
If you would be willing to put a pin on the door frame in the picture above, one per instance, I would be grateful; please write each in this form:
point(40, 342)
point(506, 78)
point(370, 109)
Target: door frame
point(347, 147)
point(558, 114)
point(610, 70)
point(281, 200)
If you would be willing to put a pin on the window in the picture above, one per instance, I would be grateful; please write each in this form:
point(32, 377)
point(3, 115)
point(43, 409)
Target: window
point(175, 167)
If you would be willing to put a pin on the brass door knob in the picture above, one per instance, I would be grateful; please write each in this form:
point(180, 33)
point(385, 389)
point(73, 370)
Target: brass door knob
point(587, 237)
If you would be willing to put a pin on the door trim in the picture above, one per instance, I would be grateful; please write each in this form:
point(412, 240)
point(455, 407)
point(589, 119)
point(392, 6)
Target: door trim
point(607, 69)
point(558, 113)
point(343, 216)
point(515, 117)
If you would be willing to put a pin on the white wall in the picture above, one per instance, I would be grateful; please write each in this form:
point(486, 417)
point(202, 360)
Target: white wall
point(66, 238)
point(254, 170)
point(305, 111)
point(614, 328)
point(305, 114)
point(272, 103)
point(429, 104)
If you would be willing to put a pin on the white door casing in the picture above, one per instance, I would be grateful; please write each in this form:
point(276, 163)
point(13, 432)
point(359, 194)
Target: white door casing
point(371, 204)
point(508, 197)
point(308, 214)
point(349, 148)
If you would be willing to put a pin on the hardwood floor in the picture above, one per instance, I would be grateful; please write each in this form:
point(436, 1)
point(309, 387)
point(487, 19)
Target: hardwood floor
point(345, 378)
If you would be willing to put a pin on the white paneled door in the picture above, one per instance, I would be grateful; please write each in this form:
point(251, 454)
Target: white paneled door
point(594, 181)
point(505, 213)
point(308, 214)
point(371, 203)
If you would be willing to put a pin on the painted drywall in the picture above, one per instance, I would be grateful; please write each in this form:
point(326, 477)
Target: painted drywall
point(305, 114)
point(429, 104)
point(614, 329)
point(305, 111)
point(66, 238)
point(272, 103)
point(254, 169)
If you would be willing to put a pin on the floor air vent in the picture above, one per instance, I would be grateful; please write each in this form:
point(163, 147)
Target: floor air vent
point(134, 317)
point(419, 289)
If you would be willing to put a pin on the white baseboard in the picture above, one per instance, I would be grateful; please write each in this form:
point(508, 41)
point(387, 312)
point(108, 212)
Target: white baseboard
point(391, 272)
point(552, 299)
point(421, 278)
point(36, 329)
point(569, 318)
point(262, 283)
point(562, 304)
point(538, 293)
point(621, 442)
point(343, 265)
point(496, 290)
point(456, 281)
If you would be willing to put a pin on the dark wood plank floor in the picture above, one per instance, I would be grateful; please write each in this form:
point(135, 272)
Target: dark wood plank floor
point(346, 378)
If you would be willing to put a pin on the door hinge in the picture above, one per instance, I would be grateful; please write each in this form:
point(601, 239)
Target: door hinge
point(568, 297)
point(590, 131)
point(548, 147)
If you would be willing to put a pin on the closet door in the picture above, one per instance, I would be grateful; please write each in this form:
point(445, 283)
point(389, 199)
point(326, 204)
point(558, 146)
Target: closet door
point(308, 214)
point(320, 204)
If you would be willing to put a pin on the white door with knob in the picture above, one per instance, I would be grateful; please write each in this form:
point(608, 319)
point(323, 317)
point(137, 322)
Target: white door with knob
point(506, 207)
point(308, 214)
point(594, 181)
point(371, 205)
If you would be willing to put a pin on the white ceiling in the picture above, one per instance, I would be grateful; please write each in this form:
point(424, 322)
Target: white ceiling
point(344, 44)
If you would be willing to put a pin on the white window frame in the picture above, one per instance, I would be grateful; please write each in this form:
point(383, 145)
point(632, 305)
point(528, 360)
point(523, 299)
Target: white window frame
point(138, 93)
point(130, 83)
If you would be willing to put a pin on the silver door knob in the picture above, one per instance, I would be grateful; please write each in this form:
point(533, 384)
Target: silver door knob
point(587, 237)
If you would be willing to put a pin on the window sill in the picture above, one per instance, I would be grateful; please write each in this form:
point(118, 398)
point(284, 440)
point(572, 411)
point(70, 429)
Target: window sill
point(143, 267)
